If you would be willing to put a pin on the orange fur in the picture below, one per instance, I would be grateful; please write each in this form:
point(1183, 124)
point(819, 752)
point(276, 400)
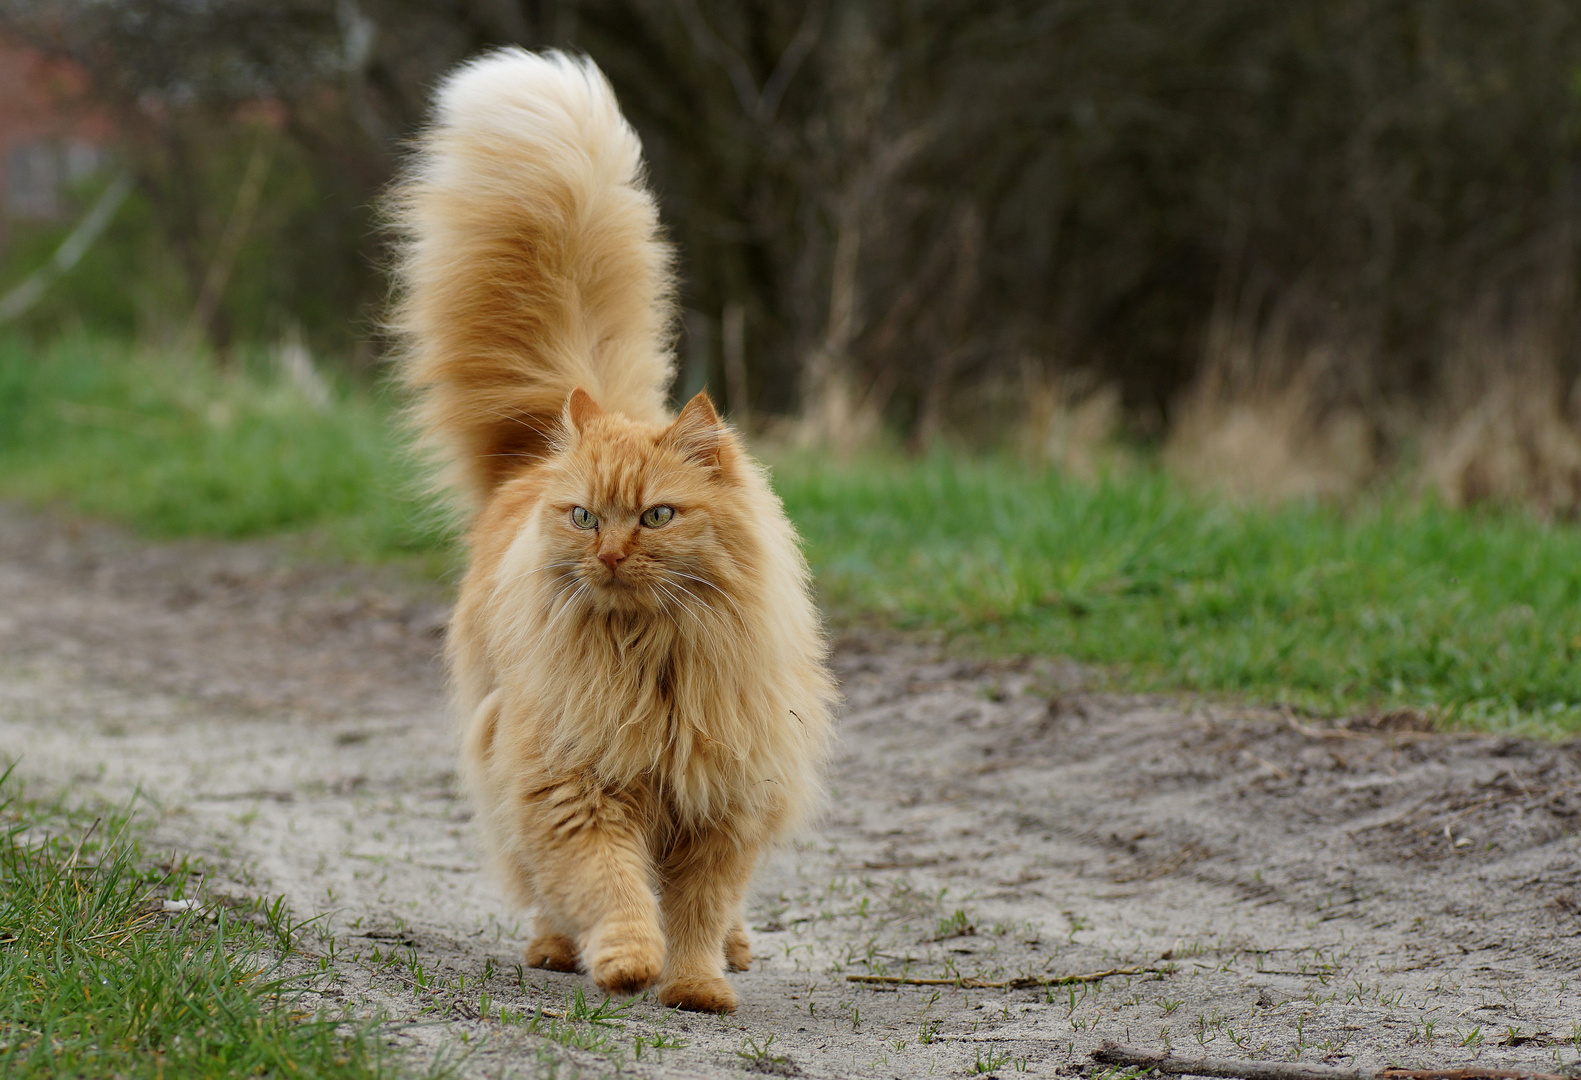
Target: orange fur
point(645, 704)
point(531, 264)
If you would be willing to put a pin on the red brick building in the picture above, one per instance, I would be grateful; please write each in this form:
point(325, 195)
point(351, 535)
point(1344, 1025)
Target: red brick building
point(50, 137)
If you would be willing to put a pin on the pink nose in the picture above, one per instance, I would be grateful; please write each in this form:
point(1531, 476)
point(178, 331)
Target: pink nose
point(610, 558)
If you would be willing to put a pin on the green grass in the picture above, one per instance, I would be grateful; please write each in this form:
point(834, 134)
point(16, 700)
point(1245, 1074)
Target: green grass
point(97, 980)
point(178, 447)
point(1476, 617)
point(1473, 616)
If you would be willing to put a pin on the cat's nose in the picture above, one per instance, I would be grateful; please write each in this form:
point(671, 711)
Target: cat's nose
point(610, 558)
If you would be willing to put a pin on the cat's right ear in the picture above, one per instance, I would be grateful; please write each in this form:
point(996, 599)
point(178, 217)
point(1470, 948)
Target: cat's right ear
point(580, 409)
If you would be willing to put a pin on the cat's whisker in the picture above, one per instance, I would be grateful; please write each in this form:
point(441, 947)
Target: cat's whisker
point(550, 611)
point(517, 418)
point(684, 606)
point(690, 607)
point(690, 599)
point(711, 585)
point(665, 599)
point(537, 570)
point(569, 603)
point(566, 585)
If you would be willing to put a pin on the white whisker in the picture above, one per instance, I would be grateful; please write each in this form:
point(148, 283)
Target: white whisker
point(536, 570)
point(689, 598)
point(566, 606)
point(517, 418)
point(716, 588)
point(680, 600)
point(566, 584)
point(549, 607)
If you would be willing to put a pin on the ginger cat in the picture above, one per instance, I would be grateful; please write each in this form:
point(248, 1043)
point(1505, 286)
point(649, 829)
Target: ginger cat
point(636, 661)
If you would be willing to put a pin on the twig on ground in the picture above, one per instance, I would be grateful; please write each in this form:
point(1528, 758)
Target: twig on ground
point(1394, 736)
point(1114, 1054)
point(1316, 732)
point(1022, 983)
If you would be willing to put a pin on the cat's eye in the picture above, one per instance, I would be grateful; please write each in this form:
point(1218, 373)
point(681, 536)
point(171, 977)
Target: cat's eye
point(583, 518)
point(654, 516)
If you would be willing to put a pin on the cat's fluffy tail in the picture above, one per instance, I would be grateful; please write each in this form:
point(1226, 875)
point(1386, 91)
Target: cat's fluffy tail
point(530, 264)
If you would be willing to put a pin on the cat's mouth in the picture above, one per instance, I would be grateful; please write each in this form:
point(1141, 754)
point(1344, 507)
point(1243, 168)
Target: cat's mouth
point(615, 590)
point(620, 580)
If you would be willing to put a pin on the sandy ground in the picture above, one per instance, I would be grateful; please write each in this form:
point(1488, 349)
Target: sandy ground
point(1359, 894)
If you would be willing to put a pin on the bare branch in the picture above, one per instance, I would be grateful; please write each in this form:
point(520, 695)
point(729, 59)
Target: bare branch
point(790, 61)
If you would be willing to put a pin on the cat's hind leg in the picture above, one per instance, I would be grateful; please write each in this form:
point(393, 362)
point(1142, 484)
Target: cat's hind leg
point(552, 947)
point(704, 880)
point(738, 948)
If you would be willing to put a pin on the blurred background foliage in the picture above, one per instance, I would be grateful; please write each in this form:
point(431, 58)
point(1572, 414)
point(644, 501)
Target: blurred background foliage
point(1323, 252)
point(1297, 246)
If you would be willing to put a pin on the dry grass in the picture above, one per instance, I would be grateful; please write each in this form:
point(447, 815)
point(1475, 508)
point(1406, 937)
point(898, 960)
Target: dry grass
point(1275, 415)
point(1071, 423)
point(1505, 427)
point(1271, 416)
point(838, 420)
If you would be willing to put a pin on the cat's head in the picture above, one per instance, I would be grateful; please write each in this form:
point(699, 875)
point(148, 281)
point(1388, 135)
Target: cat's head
point(645, 517)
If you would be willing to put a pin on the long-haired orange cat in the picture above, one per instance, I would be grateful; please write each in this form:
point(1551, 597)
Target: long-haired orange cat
point(636, 661)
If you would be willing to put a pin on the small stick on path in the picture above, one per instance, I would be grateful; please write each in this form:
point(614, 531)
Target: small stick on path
point(1023, 983)
point(1114, 1054)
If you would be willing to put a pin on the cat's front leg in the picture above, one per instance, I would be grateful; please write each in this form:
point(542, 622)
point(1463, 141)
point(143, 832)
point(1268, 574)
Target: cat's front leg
point(592, 872)
point(704, 880)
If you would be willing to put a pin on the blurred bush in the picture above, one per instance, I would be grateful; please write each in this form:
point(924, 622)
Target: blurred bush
point(163, 271)
point(898, 212)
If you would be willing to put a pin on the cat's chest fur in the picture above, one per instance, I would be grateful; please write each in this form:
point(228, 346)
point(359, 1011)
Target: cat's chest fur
point(634, 699)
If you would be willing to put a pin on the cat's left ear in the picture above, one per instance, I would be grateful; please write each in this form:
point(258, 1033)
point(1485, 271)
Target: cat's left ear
point(696, 432)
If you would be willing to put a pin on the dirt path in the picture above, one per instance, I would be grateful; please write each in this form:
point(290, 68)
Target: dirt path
point(1359, 896)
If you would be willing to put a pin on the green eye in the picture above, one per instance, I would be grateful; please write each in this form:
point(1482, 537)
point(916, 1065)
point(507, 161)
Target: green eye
point(654, 516)
point(583, 518)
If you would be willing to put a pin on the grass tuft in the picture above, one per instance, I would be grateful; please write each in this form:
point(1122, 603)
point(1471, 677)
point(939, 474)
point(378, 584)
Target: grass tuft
point(97, 979)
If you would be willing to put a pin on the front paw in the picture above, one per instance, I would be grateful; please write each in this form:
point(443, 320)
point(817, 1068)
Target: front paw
point(698, 993)
point(555, 952)
point(626, 964)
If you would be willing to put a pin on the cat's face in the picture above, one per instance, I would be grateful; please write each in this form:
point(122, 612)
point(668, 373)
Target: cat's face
point(635, 517)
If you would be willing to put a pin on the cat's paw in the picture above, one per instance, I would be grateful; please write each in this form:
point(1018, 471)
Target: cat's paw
point(698, 993)
point(626, 965)
point(738, 950)
point(556, 952)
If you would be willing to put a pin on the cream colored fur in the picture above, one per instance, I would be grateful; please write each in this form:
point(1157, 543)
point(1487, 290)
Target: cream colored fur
point(531, 265)
point(645, 707)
